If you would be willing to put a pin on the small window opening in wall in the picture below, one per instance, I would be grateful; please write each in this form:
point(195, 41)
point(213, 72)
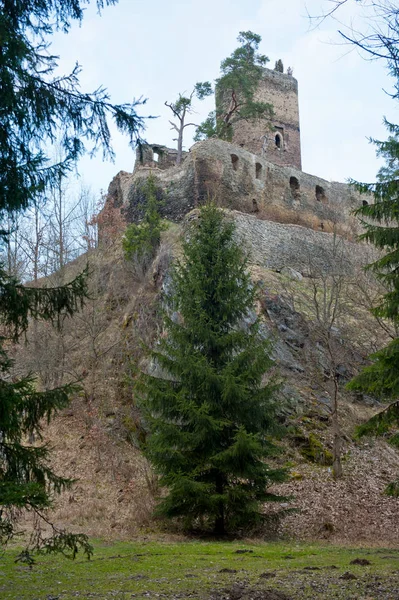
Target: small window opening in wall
point(320, 193)
point(258, 170)
point(278, 140)
point(294, 185)
point(365, 203)
point(255, 208)
point(156, 157)
point(234, 161)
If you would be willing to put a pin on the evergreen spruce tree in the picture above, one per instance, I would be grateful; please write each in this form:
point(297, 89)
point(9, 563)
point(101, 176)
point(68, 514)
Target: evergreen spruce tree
point(210, 414)
point(36, 108)
point(381, 222)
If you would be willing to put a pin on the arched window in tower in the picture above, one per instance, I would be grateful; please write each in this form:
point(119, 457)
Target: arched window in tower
point(234, 161)
point(365, 203)
point(258, 170)
point(278, 141)
point(156, 157)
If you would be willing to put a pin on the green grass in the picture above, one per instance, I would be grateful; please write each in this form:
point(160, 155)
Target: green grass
point(193, 569)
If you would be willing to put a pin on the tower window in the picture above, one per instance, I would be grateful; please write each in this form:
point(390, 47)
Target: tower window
point(278, 140)
point(258, 170)
point(365, 203)
point(320, 193)
point(234, 161)
point(156, 157)
point(294, 185)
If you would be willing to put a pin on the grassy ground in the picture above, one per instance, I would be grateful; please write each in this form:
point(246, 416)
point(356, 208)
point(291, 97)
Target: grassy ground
point(218, 570)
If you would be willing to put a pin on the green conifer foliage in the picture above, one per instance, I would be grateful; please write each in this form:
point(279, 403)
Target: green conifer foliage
point(141, 240)
point(38, 108)
point(210, 414)
point(241, 73)
point(381, 222)
point(27, 480)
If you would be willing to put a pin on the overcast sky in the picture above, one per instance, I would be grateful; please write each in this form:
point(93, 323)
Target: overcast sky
point(156, 49)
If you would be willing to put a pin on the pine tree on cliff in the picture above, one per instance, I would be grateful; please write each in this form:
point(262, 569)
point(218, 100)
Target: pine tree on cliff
point(241, 73)
point(36, 108)
point(210, 414)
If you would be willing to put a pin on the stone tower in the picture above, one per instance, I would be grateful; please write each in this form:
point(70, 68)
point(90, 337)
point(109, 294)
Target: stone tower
point(277, 139)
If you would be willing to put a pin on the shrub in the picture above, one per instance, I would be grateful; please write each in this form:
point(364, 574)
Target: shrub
point(142, 239)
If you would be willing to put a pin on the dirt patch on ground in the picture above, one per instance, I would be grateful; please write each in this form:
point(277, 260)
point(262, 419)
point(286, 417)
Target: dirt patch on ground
point(323, 584)
point(241, 591)
point(351, 510)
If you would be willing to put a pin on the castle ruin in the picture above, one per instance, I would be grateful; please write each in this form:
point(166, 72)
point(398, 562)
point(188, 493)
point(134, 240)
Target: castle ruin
point(258, 172)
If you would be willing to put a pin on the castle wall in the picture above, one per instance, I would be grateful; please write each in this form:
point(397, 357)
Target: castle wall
point(275, 246)
point(251, 184)
point(240, 180)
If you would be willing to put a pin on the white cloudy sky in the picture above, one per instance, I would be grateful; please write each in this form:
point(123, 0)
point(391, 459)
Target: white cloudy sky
point(158, 48)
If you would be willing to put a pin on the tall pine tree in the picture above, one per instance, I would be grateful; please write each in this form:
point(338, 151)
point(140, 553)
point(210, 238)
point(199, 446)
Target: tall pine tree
point(379, 40)
point(36, 109)
point(381, 222)
point(210, 413)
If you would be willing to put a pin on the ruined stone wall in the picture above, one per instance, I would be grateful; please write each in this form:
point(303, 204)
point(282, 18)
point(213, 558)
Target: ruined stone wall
point(240, 180)
point(156, 156)
point(276, 139)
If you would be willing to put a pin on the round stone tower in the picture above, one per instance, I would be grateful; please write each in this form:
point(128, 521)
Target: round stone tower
point(276, 139)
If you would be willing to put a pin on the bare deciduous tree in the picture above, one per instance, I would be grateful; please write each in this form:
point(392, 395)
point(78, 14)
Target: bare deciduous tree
point(181, 108)
point(323, 301)
point(378, 32)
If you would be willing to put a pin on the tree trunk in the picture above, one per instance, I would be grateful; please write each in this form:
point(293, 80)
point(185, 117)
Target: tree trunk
point(180, 142)
point(179, 156)
point(179, 146)
point(337, 466)
point(219, 521)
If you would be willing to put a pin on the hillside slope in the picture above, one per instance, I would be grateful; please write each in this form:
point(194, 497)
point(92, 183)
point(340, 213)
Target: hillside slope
point(96, 440)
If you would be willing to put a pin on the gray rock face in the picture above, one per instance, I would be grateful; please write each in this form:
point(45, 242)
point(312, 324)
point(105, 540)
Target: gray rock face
point(287, 220)
point(291, 333)
point(291, 273)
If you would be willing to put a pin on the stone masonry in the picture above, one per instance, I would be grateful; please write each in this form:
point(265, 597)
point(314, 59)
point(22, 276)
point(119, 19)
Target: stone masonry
point(276, 139)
